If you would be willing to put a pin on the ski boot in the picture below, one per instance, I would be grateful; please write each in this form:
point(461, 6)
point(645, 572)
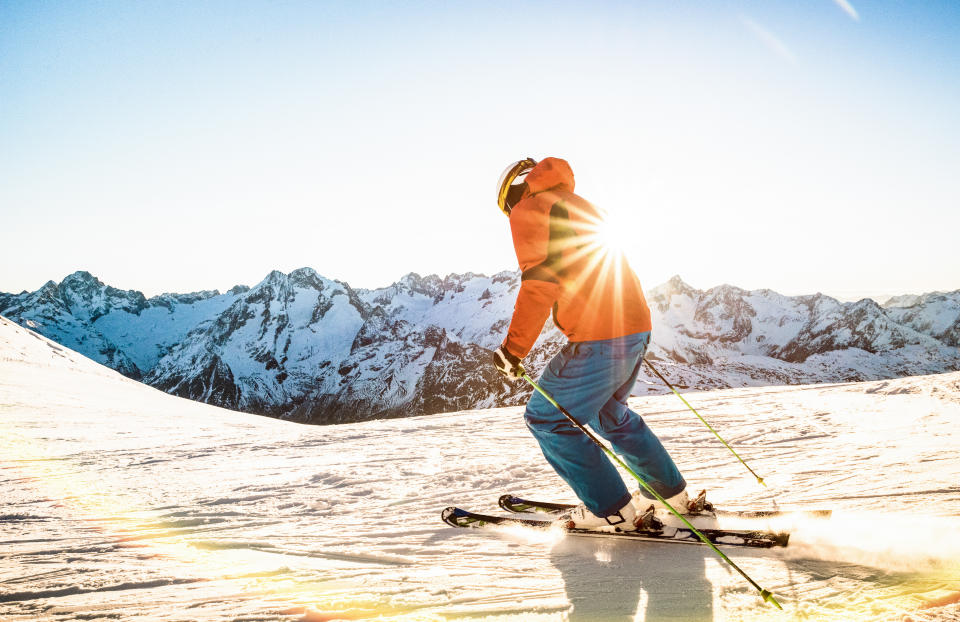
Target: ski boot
point(681, 502)
point(580, 517)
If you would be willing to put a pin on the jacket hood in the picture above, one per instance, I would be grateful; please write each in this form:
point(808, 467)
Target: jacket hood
point(550, 174)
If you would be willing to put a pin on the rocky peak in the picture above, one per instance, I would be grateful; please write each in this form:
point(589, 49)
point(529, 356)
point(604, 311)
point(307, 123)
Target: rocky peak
point(410, 280)
point(866, 305)
point(430, 285)
point(49, 292)
point(85, 295)
point(80, 284)
point(45, 301)
point(817, 302)
point(675, 285)
point(904, 301)
point(275, 277)
point(912, 300)
point(457, 283)
point(306, 278)
point(725, 292)
point(506, 276)
point(81, 277)
point(273, 286)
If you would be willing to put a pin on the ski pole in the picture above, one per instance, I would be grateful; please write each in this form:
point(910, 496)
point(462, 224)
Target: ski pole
point(709, 427)
point(767, 595)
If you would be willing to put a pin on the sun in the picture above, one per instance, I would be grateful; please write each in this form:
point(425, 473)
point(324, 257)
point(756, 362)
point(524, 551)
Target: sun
point(613, 234)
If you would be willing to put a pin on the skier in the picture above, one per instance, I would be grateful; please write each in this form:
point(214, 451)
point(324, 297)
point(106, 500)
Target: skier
point(597, 302)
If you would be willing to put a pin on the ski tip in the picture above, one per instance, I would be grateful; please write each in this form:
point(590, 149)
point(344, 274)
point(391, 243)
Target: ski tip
point(768, 597)
point(450, 516)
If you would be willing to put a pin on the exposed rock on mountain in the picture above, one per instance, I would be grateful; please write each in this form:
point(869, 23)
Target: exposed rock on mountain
point(934, 314)
point(311, 349)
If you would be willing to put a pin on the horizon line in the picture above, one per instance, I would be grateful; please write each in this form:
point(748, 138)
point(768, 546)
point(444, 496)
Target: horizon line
point(850, 296)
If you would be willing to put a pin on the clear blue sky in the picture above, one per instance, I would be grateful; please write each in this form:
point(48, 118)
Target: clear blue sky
point(176, 146)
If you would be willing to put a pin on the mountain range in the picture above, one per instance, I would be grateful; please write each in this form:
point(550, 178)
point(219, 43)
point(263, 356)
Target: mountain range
point(304, 347)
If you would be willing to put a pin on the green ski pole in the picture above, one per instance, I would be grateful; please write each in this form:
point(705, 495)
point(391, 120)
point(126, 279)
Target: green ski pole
point(767, 595)
point(677, 393)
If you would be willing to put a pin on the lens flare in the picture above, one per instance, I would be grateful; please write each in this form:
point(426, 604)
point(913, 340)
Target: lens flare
point(612, 235)
point(116, 516)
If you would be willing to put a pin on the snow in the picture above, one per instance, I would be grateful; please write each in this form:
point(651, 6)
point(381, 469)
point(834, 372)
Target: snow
point(145, 337)
point(463, 310)
point(123, 502)
point(935, 313)
point(338, 329)
point(780, 320)
point(295, 342)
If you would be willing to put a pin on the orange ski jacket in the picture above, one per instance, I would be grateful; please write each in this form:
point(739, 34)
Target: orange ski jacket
point(566, 268)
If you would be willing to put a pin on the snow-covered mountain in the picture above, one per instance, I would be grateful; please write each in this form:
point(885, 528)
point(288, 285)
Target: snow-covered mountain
point(308, 348)
point(727, 337)
point(121, 329)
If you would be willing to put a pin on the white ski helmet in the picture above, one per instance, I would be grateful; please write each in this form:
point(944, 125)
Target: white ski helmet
point(513, 179)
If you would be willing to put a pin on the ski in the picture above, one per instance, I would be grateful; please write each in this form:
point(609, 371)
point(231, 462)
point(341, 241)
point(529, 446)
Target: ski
point(653, 531)
point(512, 503)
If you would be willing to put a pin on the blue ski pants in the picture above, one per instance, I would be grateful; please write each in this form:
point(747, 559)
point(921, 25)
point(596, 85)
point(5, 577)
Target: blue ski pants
point(592, 380)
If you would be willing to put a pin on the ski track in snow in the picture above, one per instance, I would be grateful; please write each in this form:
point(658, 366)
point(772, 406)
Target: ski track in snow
point(122, 502)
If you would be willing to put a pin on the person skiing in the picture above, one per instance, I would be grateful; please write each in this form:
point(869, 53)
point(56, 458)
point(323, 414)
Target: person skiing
point(597, 302)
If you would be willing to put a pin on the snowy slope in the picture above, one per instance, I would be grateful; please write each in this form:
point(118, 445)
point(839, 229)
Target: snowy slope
point(312, 349)
point(123, 502)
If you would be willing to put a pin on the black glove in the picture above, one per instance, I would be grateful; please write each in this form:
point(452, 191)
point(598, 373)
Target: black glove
point(507, 364)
